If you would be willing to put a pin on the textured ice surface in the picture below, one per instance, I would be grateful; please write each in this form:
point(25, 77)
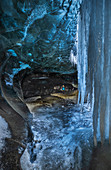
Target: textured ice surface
point(9, 78)
point(59, 135)
point(82, 60)
point(37, 13)
point(94, 63)
point(4, 132)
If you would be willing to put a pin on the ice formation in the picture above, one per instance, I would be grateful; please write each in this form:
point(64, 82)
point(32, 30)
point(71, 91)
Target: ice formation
point(37, 13)
point(4, 132)
point(57, 134)
point(94, 63)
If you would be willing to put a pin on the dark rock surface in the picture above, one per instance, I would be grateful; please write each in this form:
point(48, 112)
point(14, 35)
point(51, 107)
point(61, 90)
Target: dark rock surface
point(14, 146)
point(42, 84)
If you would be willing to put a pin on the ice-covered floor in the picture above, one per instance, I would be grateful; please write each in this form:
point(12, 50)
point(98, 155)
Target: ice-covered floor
point(62, 136)
point(4, 133)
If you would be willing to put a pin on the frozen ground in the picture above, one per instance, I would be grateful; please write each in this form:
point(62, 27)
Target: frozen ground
point(62, 136)
point(4, 133)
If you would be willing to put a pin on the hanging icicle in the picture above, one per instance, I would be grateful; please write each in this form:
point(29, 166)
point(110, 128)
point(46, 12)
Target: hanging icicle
point(94, 63)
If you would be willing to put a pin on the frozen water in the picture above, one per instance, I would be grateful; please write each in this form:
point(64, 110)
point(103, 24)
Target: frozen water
point(22, 66)
point(4, 132)
point(9, 78)
point(82, 59)
point(12, 52)
point(94, 61)
point(73, 58)
point(37, 13)
point(59, 134)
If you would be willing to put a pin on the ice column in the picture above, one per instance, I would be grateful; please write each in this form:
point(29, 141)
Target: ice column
point(83, 41)
point(94, 63)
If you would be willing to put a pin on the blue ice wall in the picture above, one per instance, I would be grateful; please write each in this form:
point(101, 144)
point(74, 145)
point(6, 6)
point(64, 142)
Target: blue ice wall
point(94, 63)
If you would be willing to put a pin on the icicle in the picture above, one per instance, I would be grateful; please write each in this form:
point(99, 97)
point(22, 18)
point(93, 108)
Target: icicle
point(73, 58)
point(95, 53)
point(83, 34)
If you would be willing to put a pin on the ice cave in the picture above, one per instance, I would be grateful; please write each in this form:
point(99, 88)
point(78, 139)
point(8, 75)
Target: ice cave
point(55, 86)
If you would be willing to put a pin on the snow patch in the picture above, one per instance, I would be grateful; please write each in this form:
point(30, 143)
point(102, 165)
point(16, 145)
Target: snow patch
point(4, 132)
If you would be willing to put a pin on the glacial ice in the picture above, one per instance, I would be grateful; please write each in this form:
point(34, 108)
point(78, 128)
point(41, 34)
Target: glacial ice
point(4, 132)
point(94, 61)
point(37, 13)
point(58, 134)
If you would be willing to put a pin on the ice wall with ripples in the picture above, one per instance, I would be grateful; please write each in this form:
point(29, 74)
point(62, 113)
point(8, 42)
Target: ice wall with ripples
point(94, 63)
